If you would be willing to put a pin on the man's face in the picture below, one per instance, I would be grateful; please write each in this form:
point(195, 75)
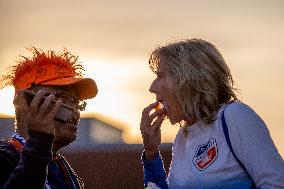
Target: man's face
point(162, 86)
point(65, 132)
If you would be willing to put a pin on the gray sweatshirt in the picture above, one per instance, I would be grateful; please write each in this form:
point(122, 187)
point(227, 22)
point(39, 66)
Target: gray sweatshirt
point(204, 160)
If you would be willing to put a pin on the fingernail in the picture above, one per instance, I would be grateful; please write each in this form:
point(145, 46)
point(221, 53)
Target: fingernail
point(41, 91)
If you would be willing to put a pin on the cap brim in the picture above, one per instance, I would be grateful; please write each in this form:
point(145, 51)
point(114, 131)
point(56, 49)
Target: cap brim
point(85, 88)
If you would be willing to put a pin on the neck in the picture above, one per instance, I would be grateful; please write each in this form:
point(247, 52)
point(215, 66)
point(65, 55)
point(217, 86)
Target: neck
point(55, 148)
point(190, 122)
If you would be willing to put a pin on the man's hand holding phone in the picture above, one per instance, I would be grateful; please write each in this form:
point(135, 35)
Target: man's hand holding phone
point(40, 114)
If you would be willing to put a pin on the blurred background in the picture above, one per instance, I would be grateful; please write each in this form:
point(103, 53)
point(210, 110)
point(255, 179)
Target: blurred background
point(114, 38)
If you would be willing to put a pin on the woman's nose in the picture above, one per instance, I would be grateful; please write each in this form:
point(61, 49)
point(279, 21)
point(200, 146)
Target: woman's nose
point(153, 87)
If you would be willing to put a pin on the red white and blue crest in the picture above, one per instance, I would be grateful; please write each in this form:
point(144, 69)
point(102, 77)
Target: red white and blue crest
point(205, 154)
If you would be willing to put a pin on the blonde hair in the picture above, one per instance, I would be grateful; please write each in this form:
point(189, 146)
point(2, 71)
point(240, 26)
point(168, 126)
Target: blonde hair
point(202, 78)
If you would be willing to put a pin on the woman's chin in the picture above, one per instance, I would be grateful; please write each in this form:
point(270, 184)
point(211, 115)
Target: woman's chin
point(172, 121)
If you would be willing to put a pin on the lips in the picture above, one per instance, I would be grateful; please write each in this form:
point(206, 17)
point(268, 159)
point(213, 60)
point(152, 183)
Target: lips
point(164, 105)
point(72, 126)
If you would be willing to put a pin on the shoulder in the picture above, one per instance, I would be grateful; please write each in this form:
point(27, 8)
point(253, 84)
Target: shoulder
point(242, 119)
point(239, 111)
point(4, 145)
point(238, 107)
point(8, 154)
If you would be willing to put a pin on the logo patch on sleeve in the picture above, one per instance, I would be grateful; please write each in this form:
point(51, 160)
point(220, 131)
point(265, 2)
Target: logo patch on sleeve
point(205, 154)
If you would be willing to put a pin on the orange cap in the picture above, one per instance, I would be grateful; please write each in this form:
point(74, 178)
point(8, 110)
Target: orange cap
point(52, 69)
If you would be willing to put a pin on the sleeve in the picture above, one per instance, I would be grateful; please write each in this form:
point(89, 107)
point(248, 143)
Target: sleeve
point(31, 170)
point(154, 173)
point(254, 147)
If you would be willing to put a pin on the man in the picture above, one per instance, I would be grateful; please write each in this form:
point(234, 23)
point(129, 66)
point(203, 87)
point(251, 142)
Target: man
point(30, 159)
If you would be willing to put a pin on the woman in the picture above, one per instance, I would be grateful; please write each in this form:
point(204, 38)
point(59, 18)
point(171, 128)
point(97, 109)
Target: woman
point(222, 143)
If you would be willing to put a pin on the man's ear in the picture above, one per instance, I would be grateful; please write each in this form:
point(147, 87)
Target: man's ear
point(20, 100)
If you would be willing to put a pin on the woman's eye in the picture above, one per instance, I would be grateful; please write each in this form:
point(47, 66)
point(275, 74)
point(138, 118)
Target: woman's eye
point(159, 75)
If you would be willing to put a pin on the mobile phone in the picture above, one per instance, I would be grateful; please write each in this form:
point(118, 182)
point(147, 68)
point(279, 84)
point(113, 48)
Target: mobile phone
point(64, 113)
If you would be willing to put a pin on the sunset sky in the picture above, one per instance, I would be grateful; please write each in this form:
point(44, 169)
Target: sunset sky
point(113, 39)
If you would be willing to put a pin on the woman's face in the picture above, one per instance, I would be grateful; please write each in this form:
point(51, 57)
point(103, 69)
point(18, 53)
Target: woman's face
point(163, 88)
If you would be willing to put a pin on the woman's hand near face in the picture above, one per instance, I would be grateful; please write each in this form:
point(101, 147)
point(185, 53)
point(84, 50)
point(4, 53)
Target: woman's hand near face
point(150, 128)
point(39, 116)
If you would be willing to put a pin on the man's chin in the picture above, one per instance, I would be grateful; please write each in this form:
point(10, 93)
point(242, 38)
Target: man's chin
point(62, 142)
